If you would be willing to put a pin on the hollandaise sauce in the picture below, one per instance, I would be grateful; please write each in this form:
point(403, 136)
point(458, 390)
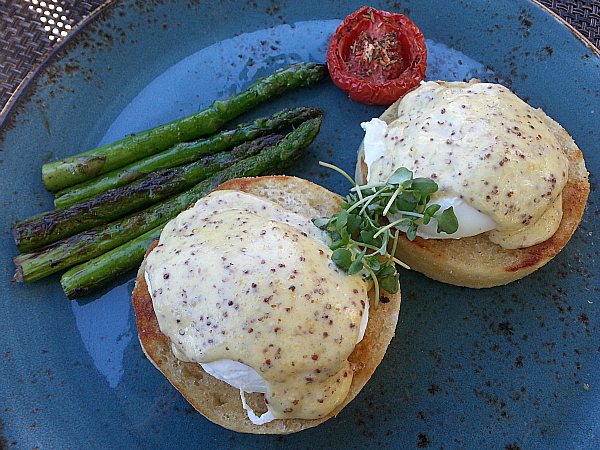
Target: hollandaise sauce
point(483, 146)
point(238, 278)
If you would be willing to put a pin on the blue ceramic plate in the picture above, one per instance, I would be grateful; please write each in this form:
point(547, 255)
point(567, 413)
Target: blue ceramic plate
point(516, 367)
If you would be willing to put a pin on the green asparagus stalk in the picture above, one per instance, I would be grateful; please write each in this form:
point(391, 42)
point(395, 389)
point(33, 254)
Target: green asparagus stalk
point(84, 166)
point(94, 242)
point(92, 275)
point(183, 153)
point(52, 226)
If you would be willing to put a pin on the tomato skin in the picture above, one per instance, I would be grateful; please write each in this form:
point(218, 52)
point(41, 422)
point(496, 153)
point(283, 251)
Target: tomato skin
point(385, 86)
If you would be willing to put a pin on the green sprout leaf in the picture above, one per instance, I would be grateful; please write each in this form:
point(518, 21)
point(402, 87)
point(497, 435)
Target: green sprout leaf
point(342, 258)
point(400, 176)
point(411, 233)
point(366, 236)
point(429, 213)
point(361, 241)
point(373, 262)
point(386, 270)
point(406, 201)
point(357, 264)
point(426, 186)
point(321, 222)
point(390, 283)
point(447, 221)
point(353, 223)
point(341, 219)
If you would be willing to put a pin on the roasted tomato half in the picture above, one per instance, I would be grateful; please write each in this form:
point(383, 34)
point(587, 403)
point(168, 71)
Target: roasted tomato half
point(377, 56)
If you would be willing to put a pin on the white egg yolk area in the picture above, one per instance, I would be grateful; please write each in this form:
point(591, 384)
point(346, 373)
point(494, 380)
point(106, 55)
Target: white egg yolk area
point(493, 157)
point(248, 290)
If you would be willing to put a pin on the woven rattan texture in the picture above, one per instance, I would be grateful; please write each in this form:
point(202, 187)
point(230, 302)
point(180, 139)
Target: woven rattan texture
point(30, 28)
point(583, 16)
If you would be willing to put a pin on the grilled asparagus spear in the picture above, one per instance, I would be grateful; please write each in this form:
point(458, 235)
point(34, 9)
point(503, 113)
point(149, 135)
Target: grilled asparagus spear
point(84, 166)
point(97, 241)
point(52, 226)
point(183, 153)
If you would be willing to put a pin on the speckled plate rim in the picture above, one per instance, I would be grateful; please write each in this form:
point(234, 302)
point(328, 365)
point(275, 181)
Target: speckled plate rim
point(22, 92)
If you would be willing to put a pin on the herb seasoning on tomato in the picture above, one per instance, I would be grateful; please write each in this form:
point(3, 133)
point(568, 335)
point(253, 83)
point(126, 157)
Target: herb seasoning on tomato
point(377, 56)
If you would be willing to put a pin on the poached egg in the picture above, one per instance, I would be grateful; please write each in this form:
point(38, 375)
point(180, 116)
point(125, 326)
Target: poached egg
point(248, 290)
point(494, 159)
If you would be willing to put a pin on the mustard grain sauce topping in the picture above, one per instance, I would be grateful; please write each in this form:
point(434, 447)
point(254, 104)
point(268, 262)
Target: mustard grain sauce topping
point(484, 145)
point(239, 278)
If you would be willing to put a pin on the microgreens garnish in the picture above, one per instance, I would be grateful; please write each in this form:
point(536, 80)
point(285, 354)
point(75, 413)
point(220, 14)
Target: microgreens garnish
point(361, 243)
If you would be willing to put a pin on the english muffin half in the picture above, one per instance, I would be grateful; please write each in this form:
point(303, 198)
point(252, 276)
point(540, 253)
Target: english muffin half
point(219, 401)
point(476, 261)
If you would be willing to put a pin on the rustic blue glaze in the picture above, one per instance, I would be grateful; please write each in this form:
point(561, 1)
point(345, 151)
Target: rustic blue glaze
point(515, 367)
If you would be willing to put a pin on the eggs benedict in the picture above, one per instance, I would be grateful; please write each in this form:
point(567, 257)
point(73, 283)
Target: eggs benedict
point(514, 178)
point(239, 301)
